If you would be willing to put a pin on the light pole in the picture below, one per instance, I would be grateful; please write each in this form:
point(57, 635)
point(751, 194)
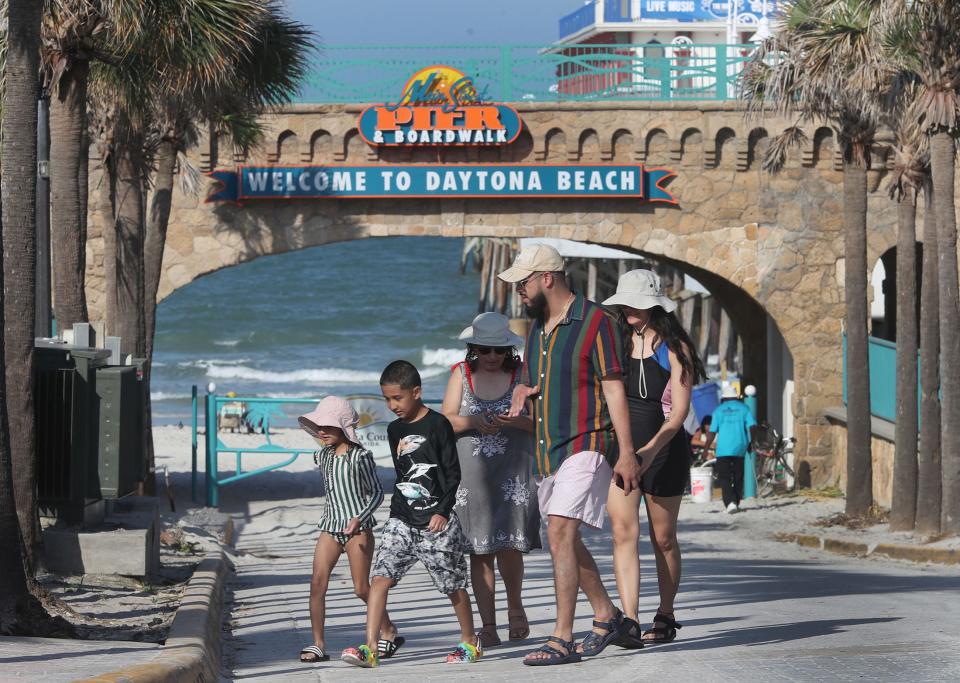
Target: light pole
point(42, 305)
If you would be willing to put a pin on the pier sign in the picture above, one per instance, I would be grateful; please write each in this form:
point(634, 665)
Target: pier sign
point(248, 183)
point(439, 107)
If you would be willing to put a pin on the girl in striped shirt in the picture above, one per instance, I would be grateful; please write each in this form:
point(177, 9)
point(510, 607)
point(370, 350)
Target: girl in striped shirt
point(353, 493)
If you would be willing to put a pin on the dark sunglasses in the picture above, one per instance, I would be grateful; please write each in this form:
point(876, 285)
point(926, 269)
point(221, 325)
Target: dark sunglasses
point(484, 350)
point(522, 285)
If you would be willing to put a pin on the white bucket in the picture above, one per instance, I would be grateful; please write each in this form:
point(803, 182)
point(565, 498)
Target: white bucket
point(701, 484)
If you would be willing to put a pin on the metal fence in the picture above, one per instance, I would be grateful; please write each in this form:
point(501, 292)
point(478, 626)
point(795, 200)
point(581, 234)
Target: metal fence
point(522, 73)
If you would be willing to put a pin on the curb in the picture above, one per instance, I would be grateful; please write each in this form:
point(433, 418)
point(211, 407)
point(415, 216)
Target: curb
point(885, 550)
point(192, 649)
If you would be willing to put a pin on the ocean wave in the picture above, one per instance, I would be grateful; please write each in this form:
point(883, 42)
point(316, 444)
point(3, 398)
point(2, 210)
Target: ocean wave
point(206, 364)
point(442, 357)
point(164, 396)
point(309, 376)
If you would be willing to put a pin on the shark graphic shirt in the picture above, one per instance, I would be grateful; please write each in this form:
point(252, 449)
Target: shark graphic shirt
point(428, 472)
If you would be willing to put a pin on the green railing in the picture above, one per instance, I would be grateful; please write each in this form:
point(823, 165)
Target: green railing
point(527, 73)
point(260, 417)
point(882, 356)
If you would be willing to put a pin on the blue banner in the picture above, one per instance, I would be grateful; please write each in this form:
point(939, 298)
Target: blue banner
point(415, 181)
point(750, 11)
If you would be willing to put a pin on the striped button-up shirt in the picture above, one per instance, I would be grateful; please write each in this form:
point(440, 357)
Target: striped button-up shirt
point(570, 414)
point(351, 486)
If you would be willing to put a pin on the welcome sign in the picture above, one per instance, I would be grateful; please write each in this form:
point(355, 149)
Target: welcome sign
point(454, 180)
point(439, 107)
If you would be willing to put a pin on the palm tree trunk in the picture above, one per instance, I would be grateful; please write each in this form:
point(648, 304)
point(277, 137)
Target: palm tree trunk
point(859, 457)
point(68, 119)
point(942, 157)
point(103, 195)
point(928, 465)
point(165, 159)
point(904, 497)
point(18, 166)
point(128, 193)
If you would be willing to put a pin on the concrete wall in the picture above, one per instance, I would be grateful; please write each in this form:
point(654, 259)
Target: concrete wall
point(882, 450)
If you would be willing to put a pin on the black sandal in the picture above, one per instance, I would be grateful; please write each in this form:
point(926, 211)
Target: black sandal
point(662, 634)
point(631, 635)
point(314, 655)
point(388, 648)
point(556, 656)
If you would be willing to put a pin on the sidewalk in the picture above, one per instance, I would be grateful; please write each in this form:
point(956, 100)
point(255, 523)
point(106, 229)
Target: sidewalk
point(752, 608)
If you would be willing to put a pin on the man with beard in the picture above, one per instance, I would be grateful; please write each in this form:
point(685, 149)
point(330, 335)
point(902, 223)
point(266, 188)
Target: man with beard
point(573, 378)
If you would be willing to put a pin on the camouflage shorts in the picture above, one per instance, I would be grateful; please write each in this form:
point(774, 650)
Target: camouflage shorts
point(442, 553)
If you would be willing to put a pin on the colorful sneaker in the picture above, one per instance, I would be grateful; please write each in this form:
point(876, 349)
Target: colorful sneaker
point(465, 653)
point(361, 656)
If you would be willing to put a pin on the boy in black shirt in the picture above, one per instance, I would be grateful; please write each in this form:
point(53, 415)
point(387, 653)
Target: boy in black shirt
point(422, 525)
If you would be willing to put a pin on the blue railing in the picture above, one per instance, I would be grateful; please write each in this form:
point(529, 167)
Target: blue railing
point(882, 356)
point(577, 21)
point(519, 73)
point(616, 11)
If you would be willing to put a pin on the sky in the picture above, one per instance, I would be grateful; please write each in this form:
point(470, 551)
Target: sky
point(432, 22)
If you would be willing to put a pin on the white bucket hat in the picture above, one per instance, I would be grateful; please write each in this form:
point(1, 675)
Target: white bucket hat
point(729, 391)
point(490, 329)
point(641, 289)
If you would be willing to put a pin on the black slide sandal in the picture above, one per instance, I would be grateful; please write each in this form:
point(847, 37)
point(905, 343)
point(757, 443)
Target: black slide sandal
point(316, 652)
point(388, 648)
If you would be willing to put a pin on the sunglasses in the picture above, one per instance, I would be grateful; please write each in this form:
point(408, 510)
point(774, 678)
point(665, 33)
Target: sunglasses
point(522, 285)
point(484, 350)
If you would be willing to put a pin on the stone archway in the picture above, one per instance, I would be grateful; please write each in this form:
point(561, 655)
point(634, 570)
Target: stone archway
point(767, 244)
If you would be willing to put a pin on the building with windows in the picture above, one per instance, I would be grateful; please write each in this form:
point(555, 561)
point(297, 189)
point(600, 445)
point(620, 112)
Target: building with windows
point(668, 22)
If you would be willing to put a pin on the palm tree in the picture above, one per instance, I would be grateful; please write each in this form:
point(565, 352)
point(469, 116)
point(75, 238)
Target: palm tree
point(910, 169)
point(18, 163)
point(923, 39)
point(820, 66)
point(928, 465)
point(17, 239)
point(224, 60)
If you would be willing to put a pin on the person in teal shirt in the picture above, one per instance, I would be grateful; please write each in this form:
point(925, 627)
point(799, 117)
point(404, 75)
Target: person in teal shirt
point(732, 426)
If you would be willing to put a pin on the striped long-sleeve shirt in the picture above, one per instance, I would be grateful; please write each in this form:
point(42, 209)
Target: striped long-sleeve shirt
point(352, 488)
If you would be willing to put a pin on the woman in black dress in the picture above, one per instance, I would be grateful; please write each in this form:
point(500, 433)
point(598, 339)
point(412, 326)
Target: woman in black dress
point(662, 367)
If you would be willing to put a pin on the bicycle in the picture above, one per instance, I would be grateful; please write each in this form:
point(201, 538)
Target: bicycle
point(772, 466)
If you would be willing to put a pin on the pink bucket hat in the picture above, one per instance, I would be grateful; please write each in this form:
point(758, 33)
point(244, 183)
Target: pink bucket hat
point(333, 411)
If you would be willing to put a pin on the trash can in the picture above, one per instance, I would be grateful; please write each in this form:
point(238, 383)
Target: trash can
point(67, 415)
point(705, 399)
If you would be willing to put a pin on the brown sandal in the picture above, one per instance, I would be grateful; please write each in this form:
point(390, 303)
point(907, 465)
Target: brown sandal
point(519, 626)
point(488, 636)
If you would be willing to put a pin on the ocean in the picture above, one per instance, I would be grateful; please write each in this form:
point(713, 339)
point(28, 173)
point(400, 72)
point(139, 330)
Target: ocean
point(319, 321)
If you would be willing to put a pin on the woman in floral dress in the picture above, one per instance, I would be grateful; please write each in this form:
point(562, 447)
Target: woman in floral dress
point(497, 501)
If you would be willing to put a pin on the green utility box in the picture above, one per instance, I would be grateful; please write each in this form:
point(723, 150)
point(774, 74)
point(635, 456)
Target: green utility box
point(67, 410)
point(121, 458)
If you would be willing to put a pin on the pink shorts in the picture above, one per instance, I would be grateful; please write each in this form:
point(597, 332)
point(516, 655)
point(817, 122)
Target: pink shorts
point(578, 489)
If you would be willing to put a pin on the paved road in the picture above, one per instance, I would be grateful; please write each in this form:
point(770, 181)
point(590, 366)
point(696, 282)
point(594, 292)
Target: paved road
point(752, 609)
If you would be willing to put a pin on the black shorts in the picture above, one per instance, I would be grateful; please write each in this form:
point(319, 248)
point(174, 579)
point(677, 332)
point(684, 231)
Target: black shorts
point(669, 474)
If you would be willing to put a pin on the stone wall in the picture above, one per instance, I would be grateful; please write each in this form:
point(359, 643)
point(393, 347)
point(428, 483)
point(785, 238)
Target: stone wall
point(882, 451)
point(765, 242)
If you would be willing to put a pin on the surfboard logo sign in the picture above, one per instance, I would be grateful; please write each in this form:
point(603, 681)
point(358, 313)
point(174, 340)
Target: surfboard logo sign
point(439, 107)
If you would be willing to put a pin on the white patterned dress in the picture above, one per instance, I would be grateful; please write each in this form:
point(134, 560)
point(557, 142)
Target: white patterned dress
point(497, 498)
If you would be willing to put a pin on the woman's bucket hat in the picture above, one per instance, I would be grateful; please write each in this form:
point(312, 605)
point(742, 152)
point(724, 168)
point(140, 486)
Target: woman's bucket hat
point(641, 289)
point(333, 411)
point(490, 329)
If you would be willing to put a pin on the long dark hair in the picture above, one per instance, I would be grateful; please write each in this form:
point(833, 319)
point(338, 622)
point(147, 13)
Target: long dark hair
point(511, 360)
point(670, 332)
